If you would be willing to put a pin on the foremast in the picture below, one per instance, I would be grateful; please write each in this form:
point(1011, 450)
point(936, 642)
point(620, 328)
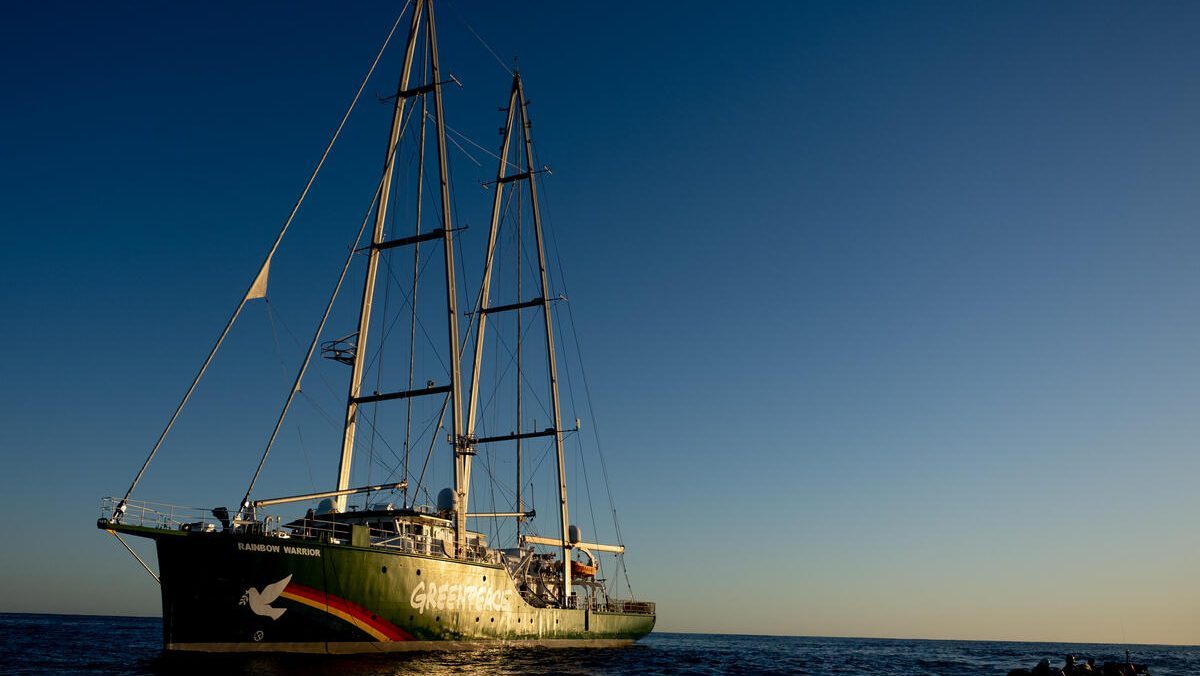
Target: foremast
point(422, 13)
point(518, 104)
point(373, 253)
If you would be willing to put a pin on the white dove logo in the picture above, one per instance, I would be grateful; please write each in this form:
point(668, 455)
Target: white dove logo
point(260, 602)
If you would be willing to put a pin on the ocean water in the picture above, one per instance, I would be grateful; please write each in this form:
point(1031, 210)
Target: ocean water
point(70, 644)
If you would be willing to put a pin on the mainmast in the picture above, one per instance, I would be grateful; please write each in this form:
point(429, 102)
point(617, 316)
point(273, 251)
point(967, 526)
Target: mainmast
point(519, 381)
point(462, 450)
point(400, 113)
point(517, 102)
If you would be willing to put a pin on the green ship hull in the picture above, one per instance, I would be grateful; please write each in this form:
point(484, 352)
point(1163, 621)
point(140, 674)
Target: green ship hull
point(233, 592)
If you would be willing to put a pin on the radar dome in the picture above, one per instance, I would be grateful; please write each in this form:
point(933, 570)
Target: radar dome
point(445, 500)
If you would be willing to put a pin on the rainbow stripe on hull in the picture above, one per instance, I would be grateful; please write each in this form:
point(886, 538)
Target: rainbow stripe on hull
point(363, 619)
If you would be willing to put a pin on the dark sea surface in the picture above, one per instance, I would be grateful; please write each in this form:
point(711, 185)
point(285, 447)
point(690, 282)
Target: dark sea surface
point(71, 644)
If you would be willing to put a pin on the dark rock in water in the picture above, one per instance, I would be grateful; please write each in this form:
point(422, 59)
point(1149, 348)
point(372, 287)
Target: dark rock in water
point(1071, 668)
point(1123, 669)
point(1043, 668)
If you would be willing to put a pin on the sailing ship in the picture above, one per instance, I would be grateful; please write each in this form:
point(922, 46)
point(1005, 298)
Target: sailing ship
point(344, 579)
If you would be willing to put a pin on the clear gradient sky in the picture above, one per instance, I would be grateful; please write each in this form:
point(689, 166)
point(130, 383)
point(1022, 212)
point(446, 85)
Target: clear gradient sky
point(891, 310)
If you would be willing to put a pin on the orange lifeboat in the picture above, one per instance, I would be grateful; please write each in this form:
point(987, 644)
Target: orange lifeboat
point(582, 570)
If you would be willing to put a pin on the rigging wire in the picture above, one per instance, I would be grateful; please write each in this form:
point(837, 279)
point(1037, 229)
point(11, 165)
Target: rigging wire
point(393, 470)
point(407, 302)
point(275, 340)
point(320, 409)
point(283, 371)
point(446, 399)
point(587, 484)
point(353, 251)
point(487, 448)
point(483, 42)
point(389, 225)
point(135, 555)
point(379, 350)
point(520, 455)
point(329, 388)
point(505, 212)
point(486, 150)
point(412, 326)
point(512, 356)
point(245, 503)
point(407, 117)
point(486, 406)
point(562, 280)
point(312, 482)
point(541, 460)
point(337, 426)
point(464, 152)
point(274, 247)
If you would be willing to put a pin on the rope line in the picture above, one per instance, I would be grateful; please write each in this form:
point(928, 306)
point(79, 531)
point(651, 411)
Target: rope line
point(483, 42)
point(274, 247)
point(312, 346)
point(562, 280)
point(464, 152)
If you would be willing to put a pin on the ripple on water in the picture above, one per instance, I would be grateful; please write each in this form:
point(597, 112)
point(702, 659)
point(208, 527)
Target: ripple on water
point(39, 644)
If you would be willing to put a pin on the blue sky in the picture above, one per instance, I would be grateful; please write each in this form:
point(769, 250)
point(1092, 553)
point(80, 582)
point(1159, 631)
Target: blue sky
point(889, 310)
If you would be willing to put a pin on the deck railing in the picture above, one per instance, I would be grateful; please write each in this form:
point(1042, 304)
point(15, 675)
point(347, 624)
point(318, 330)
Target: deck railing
point(165, 516)
point(623, 606)
point(160, 515)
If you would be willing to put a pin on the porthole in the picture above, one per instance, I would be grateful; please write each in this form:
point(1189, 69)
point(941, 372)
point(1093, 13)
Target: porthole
point(438, 618)
point(383, 570)
point(485, 578)
point(477, 619)
point(493, 619)
point(418, 572)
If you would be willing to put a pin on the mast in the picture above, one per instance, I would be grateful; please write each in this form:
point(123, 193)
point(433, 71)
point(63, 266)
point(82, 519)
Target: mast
point(416, 274)
point(517, 103)
point(520, 496)
point(462, 449)
point(378, 245)
point(550, 356)
point(364, 317)
point(486, 283)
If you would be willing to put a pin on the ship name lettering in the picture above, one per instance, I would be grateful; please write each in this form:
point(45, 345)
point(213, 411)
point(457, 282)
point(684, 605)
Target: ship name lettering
point(276, 549)
point(457, 596)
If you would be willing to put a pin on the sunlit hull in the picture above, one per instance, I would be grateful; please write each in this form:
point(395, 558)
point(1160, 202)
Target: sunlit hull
point(225, 592)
